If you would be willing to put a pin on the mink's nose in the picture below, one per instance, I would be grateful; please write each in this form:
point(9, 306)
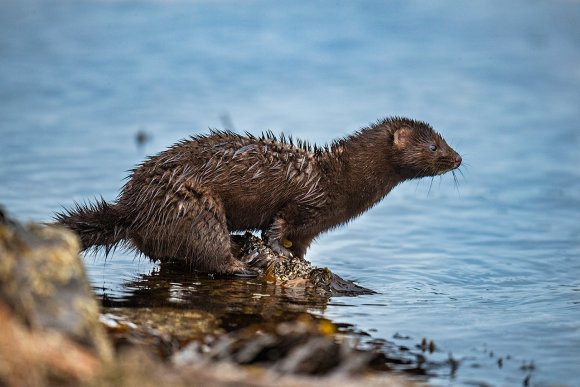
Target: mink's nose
point(457, 161)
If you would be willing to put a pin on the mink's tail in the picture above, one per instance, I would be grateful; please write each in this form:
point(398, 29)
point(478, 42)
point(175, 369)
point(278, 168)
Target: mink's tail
point(98, 225)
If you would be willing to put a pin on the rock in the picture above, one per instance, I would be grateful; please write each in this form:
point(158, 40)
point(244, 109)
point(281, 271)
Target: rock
point(305, 346)
point(305, 352)
point(37, 357)
point(291, 272)
point(137, 368)
point(47, 303)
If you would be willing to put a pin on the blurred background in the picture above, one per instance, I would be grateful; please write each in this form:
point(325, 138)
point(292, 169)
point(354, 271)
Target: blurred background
point(89, 88)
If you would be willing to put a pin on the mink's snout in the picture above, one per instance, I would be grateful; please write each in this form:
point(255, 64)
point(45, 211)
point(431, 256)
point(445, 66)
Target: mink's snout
point(457, 163)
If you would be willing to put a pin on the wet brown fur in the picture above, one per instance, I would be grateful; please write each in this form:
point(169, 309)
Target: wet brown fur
point(183, 203)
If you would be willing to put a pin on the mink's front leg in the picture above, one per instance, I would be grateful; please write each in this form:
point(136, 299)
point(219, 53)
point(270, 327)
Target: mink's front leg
point(274, 236)
point(287, 238)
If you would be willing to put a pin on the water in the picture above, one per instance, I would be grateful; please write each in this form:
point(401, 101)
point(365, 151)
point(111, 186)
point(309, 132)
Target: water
point(487, 270)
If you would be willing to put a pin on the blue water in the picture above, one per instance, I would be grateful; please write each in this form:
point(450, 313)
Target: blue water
point(488, 270)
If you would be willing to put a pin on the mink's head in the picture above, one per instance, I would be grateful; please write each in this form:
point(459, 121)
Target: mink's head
point(420, 151)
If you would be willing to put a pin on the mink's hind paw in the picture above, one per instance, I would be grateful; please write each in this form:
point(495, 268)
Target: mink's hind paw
point(241, 268)
point(258, 260)
point(247, 273)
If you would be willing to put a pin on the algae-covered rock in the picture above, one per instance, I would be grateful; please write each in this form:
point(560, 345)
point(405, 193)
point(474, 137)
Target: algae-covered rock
point(138, 368)
point(46, 301)
point(305, 351)
point(303, 346)
point(292, 272)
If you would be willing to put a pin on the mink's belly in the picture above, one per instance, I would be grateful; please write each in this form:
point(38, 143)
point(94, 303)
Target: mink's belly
point(250, 211)
point(253, 204)
point(240, 218)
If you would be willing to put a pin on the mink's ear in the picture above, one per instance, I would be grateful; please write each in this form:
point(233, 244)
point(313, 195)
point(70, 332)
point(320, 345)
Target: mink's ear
point(403, 137)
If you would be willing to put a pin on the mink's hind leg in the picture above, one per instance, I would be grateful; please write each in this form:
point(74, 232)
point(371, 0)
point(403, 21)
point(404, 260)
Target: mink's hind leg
point(190, 226)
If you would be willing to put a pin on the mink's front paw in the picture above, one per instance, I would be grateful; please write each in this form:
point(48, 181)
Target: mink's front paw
point(281, 247)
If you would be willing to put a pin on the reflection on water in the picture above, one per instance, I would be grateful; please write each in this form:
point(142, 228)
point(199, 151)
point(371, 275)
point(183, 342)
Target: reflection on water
point(488, 271)
point(168, 287)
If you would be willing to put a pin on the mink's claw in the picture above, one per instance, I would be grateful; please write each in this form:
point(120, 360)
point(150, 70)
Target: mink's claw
point(257, 260)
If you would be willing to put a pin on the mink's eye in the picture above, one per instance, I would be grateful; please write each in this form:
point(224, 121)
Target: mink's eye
point(433, 147)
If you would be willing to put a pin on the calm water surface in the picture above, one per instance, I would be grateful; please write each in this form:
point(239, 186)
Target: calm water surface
point(488, 270)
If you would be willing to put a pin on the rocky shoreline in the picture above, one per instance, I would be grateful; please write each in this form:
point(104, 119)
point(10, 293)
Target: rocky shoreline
point(55, 332)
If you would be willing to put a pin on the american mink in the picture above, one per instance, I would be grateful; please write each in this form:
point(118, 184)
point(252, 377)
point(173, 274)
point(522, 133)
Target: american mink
point(183, 203)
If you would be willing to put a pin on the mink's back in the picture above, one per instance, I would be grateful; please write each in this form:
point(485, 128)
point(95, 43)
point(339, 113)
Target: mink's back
point(253, 177)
